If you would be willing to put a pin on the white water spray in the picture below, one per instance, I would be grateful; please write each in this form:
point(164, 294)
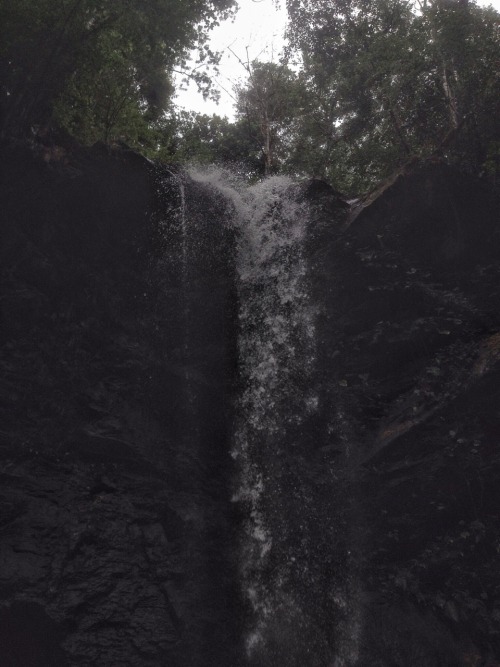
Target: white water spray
point(277, 359)
point(184, 230)
point(294, 562)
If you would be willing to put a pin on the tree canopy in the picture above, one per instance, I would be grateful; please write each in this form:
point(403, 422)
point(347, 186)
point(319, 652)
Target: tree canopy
point(99, 67)
point(379, 83)
point(269, 105)
point(375, 83)
point(393, 79)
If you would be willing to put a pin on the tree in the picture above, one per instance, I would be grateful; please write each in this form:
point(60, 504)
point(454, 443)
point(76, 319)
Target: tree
point(465, 48)
point(203, 139)
point(269, 103)
point(390, 82)
point(98, 63)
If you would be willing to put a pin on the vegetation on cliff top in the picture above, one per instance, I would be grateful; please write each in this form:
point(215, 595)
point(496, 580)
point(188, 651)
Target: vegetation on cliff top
point(100, 69)
point(375, 83)
point(378, 83)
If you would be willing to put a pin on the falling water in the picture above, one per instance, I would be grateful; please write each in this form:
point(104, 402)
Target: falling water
point(277, 351)
point(172, 189)
point(177, 267)
point(277, 429)
point(184, 230)
point(168, 181)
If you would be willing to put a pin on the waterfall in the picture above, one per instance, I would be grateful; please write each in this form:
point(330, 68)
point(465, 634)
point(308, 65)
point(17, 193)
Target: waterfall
point(171, 187)
point(177, 266)
point(277, 353)
point(168, 181)
point(185, 284)
point(294, 581)
point(184, 233)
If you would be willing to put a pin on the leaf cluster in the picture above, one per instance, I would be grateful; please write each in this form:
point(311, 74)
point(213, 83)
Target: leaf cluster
point(391, 81)
point(101, 69)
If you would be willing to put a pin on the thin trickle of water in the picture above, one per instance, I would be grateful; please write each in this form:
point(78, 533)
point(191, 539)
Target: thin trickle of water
point(184, 229)
point(174, 226)
point(180, 213)
point(185, 276)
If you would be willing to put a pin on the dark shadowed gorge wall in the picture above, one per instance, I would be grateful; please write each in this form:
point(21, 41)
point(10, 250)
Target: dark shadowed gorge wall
point(116, 525)
point(119, 371)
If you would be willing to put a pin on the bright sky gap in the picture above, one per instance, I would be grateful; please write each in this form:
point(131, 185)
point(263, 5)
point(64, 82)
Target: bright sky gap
point(255, 34)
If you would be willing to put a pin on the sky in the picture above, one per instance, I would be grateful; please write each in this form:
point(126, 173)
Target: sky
point(256, 33)
point(258, 27)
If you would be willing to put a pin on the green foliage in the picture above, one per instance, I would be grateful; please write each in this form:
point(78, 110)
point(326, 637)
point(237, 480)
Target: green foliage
point(101, 101)
point(381, 81)
point(260, 139)
point(390, 83)
point(102, 67)
point(380, 84)
point(269, 104)
point(203, 139)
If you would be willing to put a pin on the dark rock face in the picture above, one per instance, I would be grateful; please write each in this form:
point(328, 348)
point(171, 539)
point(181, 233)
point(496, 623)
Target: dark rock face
point(409, 341)
point(116, 535)
point(118, 539)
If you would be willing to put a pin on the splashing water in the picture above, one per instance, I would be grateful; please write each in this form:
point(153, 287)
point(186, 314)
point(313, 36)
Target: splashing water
point(277, 356)
point(279, 401)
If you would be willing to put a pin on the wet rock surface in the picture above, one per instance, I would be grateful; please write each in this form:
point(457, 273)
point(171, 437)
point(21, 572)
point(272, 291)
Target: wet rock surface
point(409, 341)
point(118, 540)
point(115, 533)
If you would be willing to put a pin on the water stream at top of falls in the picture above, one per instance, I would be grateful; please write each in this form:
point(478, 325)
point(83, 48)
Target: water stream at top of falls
point(277, 429)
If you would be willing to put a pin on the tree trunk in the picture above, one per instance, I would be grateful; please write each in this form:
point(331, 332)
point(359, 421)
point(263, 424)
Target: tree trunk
point(266, 131)
point(450, 97)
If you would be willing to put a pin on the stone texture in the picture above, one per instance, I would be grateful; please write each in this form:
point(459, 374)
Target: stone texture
point(118, 540)
point(116, 530)
point(409, 340)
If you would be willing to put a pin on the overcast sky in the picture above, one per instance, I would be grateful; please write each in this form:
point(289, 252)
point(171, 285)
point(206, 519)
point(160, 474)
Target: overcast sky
point(259, 28)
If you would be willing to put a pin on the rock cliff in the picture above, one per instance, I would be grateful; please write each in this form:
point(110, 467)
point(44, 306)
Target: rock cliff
point(410, 340)
point(118, 538)
point(116, 527)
